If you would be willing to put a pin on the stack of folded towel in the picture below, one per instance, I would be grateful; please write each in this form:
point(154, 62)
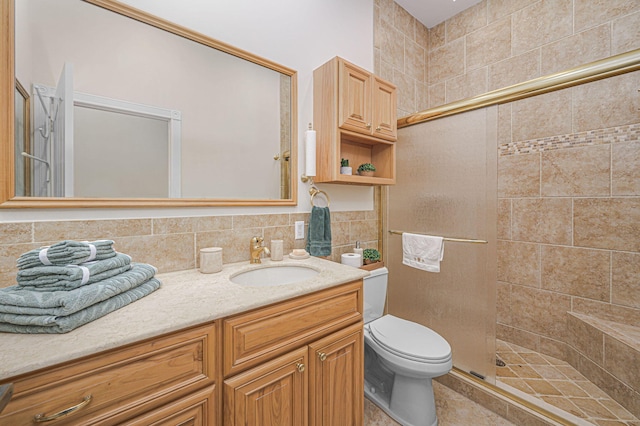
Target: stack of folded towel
point(69, 284)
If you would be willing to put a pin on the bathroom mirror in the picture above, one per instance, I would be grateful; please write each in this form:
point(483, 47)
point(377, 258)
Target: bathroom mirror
point(127, 109)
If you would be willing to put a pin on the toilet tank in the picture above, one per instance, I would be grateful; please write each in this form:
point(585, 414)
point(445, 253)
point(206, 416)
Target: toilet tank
point(375, 293)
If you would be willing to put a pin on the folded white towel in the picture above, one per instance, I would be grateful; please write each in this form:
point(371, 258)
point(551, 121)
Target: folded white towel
point(422, 251)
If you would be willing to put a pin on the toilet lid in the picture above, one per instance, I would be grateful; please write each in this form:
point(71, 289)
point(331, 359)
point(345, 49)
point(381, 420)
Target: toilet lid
point(409, 339)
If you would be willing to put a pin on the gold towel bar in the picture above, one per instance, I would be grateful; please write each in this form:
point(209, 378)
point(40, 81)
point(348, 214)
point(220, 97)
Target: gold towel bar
point(313, 191)
point(457, 240)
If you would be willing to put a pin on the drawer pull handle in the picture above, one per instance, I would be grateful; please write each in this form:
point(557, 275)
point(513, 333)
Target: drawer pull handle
point(322, 356)
point(300, 367)
point(41, 418)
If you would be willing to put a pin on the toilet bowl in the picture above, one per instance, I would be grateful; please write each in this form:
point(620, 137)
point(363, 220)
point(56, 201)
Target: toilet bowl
point(401, 358)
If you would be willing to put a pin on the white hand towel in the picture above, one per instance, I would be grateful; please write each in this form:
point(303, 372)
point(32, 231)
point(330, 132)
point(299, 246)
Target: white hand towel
point(422, 251)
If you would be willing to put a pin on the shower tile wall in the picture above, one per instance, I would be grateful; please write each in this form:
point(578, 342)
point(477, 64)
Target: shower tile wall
point(568, 166)
point(172, 244)
point(495, 44)
point(569, 230)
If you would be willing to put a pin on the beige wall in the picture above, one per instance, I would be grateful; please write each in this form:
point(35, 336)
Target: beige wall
point(568, 171)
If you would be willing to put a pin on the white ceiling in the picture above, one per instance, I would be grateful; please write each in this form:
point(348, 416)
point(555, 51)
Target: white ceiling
point(433, 12)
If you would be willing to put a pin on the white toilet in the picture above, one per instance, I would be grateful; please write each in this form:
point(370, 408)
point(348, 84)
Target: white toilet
point(400, 357)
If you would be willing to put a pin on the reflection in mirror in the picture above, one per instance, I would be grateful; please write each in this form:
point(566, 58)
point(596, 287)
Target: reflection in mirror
point(211, 116)
point(22, 163)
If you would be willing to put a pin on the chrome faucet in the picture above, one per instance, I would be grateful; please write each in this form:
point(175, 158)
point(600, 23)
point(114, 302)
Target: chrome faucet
point(256, 248)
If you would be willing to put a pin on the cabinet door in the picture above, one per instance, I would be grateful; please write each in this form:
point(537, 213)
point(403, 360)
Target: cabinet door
point(275, 393)
point(354, 104)
point(337, 378)
point(385, 124)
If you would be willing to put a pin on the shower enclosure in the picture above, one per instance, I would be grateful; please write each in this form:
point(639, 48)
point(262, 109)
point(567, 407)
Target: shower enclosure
point(550, 179)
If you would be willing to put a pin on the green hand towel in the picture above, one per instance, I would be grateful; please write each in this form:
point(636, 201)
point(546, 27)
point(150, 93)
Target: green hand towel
point(319, 235)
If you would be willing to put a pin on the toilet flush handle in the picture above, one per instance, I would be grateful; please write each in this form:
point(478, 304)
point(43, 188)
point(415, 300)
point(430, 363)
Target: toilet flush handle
point(322, 356)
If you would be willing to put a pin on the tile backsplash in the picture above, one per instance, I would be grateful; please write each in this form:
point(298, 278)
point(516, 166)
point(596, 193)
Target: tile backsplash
point(173, 243)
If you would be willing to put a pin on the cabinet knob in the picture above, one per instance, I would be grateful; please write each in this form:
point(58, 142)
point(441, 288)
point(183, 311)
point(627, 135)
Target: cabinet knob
point(368, 125)
point(41, 418)
point(300, 367)
point(322, 356)
point(378, 129)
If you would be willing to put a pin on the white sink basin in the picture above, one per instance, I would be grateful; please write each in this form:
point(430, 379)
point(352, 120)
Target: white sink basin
point(272, 275)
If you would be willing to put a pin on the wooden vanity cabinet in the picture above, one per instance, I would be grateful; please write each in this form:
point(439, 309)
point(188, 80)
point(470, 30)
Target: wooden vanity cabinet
point(297, 363)
point(166, 380)
point(355, 117)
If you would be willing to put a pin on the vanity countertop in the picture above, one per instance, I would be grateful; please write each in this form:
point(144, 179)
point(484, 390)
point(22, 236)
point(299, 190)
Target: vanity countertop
point(186, 298)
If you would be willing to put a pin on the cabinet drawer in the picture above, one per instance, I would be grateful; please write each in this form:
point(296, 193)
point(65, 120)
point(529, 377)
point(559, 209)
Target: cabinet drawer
point(254, 337)
point(121, 383)
point(198, 409)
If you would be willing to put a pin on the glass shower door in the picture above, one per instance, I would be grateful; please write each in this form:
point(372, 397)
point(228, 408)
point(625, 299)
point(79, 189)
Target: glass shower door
point(446, 186)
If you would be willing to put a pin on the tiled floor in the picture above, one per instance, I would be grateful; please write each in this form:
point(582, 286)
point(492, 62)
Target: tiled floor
point(452, 409)
point(559, 384)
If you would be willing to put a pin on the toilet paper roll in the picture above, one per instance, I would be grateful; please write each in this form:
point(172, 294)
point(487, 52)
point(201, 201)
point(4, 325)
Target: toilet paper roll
point(310, 152)
point(351, 259)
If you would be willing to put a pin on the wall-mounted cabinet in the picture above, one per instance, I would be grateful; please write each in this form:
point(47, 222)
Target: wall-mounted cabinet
point(354, 115)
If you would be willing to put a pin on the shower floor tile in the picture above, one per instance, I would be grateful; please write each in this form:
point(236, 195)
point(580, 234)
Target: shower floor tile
point(559, 384)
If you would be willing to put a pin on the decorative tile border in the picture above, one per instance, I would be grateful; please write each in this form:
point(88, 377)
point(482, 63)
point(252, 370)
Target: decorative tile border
point(618, 134)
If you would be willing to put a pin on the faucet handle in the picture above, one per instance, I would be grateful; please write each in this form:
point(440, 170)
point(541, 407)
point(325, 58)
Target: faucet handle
point(257, 240)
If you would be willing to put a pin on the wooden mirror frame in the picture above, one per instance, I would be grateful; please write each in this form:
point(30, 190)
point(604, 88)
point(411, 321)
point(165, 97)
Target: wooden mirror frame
point(7, 125)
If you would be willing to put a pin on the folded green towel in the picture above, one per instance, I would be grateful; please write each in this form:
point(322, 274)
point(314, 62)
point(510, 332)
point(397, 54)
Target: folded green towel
point(11, 323)
point(319, 235)
point(67, 253)
point(17, 300)
point(69, 277)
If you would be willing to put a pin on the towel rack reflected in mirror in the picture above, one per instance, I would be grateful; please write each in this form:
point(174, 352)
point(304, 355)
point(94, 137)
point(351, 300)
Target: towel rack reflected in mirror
point(456, 240)
point(315, 191)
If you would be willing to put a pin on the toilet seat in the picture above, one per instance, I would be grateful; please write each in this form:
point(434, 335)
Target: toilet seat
point(410, 340)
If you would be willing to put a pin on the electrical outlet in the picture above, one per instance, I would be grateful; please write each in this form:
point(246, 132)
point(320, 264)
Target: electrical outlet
point(299, 227)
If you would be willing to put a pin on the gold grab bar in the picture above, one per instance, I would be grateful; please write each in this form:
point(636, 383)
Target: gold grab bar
point(456, 240)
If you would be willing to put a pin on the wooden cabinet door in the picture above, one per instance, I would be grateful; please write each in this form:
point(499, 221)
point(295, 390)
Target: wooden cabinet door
point(337, 379)
point(354, 104)
point(385, 124)
point(272, 394)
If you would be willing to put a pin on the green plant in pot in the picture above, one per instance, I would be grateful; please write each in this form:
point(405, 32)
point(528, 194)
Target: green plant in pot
point(344, 167)
point(370, 255)
point(366, 169)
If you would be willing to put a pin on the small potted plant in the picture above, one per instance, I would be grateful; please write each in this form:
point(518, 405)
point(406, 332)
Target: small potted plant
point(366, 169)
point(370, 255)
point(344, 167)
